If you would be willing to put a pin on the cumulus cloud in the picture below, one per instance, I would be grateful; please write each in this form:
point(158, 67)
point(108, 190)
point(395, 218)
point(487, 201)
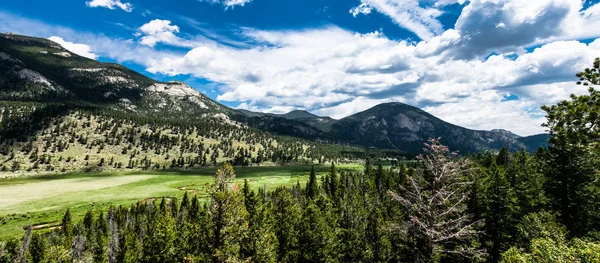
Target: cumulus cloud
point(79, 49)
point(407, 13)
point(228, 3)
point(509, 26)
point(110, 4)
point(157, 31)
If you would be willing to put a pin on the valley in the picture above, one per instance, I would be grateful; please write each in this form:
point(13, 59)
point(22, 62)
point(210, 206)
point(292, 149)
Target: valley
point(36, 199)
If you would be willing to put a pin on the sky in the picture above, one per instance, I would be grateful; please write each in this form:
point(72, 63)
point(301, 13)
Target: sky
point(481, 64)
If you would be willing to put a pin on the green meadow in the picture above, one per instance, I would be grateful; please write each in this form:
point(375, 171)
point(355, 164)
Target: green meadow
point(45, 198)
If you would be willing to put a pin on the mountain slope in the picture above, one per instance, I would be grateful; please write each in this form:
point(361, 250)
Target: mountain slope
point(34, 69)
point(404, 127)
point(322, 123)
point(533, 142)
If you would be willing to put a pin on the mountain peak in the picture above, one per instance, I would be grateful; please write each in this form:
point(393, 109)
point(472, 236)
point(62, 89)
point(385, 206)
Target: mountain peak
point(31, 41)
point(506, 133)
point(299, 114)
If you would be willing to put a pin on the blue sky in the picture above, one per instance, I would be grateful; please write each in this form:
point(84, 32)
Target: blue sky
point(482, 64)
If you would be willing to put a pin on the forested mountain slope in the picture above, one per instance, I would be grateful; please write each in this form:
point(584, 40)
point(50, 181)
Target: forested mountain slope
point(400, 126)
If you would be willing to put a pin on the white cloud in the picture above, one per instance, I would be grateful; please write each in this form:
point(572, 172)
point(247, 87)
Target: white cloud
point(487, 111)
point(407, 13)
point(363, 8)
point(508, 26)
point(162, 31)
point(449, 2)
point(110, 4)
point(228, 3)
point(79, 49)
point(159, 30)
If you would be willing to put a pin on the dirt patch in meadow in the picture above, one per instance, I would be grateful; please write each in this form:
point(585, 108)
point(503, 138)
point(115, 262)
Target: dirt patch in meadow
point(11, 195)
point(168, 199)
point(40, 226)
point(192, 189)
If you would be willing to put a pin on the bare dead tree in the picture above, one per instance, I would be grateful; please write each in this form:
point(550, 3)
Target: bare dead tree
point(78, 247)
point(22, 254)
point(435, 199)
point(113, 242)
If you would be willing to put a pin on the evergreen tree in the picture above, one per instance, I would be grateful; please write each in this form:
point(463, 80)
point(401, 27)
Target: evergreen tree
point(229, 217)
point(66, 224)
point(287, 217)
point(316, 238)
point(312, 188)
point(38, 248)
point(574, 156)
point(499, 224)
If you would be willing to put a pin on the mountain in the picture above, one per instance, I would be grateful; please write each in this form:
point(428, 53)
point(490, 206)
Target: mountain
point(400, 126)
point(34, 69)
point(533, 142)
point(39, 71)
point(323, 124)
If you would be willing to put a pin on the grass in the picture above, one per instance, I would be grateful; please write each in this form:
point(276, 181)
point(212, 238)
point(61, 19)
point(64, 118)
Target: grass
point(45, 198)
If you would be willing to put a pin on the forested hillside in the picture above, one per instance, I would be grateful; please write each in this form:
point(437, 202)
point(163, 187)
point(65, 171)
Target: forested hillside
point(58, 138)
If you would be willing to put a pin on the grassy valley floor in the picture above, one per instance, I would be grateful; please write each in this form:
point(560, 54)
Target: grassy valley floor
point(43, 199)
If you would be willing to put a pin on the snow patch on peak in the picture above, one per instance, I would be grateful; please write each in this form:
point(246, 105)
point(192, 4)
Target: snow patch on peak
point(109, 94)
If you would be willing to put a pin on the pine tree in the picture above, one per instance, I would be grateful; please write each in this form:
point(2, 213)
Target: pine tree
point(499, 224)
point(38, 248)
point(316, 238)
point(287, 217)
point(312, 189)
point(333, 182)
point(229, 217)
point(66, 224)
point(575, 156)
